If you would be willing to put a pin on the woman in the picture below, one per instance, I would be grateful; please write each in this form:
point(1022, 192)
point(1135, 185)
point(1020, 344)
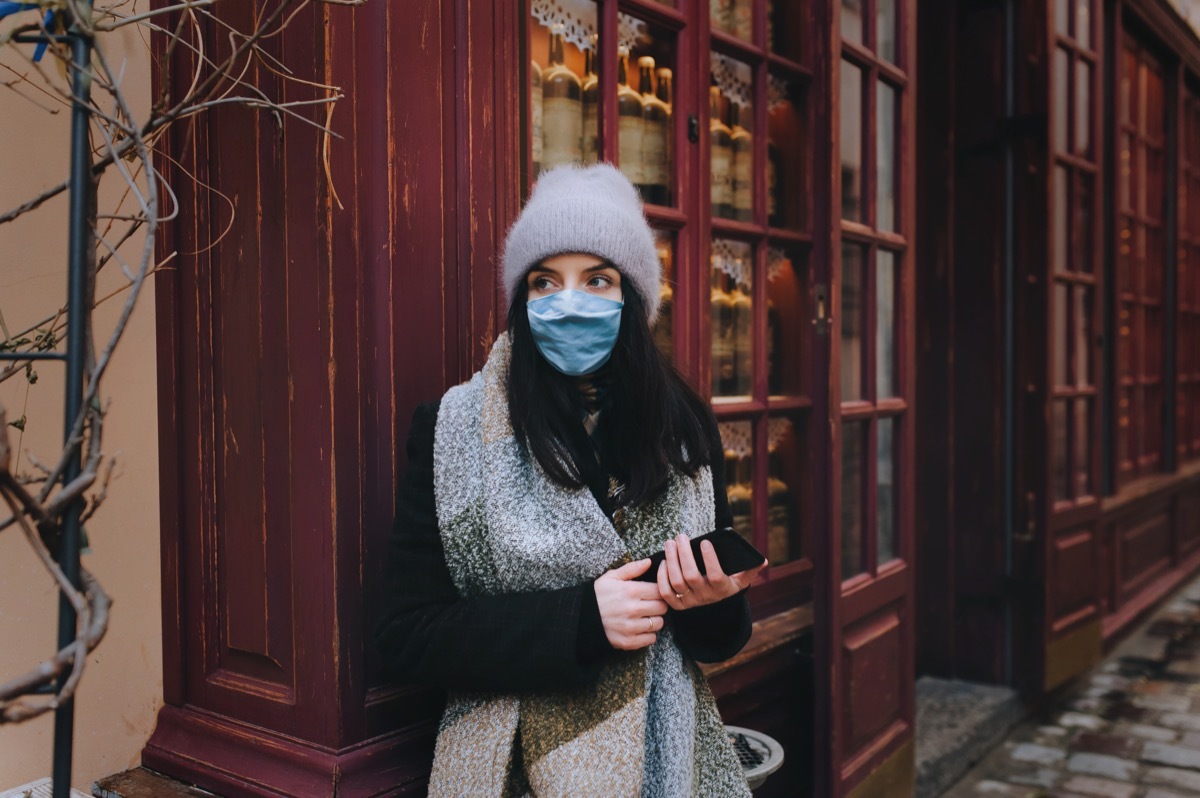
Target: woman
point(534, 495)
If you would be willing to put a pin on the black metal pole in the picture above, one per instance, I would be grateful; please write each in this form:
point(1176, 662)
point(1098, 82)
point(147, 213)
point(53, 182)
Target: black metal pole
point(77, 319)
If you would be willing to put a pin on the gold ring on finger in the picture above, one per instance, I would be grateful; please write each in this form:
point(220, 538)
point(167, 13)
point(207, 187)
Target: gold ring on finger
point(679, 595)
point(649, 624)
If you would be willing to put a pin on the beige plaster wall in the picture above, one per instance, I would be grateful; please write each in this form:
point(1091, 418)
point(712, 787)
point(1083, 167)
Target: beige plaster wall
point(122, 686)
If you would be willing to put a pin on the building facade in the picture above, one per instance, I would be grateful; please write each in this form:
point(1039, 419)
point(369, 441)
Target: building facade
point(933, 262)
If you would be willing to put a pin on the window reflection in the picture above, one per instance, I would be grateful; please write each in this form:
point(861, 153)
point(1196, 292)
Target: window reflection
point(853, 465)
point(885, 156)
point(885, 323)
point(850, 134)
point(886, 491)
point(885, 29)
point(786, 322)
point(852, 322)
point(786, 149)
point(852, 21)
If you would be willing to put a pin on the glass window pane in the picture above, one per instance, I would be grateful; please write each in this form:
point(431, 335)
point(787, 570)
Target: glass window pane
point(1059, 343)
point(664, 327)
point(1083, 336)
point(785, 27)
point(787, 152)
point(1081, 228)
point(885, 156)
point(1062, 16)
point(559, 62)
point(1062, 185)
point(738, 439)
point(852, 311)
point(644, 110)
point(1083, 450)
point(1058, 436)
point(885, 29)
point(731, 147)
point(1059, 100)
point(1083, 108)
point(885, 323)
point(787, 321)
point(733, 16)
point(731, 303)
point(1083, 22)
point(886, 491)
point(850, 135)
point(785, 461)
point(852, 21)
point(854, 445)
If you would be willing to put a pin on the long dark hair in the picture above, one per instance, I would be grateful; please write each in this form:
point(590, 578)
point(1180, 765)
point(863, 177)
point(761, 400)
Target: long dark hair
point(655, 421)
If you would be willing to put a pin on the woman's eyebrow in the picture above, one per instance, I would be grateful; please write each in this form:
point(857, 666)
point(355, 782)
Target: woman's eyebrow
point(599, 267)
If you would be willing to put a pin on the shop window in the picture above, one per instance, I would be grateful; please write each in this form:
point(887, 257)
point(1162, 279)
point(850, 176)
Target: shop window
point(1139, 326)
point(870, 293)
point(1187, 401)
point(1073, 288)
point(735, 296)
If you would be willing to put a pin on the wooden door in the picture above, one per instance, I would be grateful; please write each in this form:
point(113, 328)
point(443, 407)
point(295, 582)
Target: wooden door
point(1065, 499)
point(864, 611)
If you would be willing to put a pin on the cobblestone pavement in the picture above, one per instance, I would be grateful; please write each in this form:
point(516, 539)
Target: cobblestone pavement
point(1129, 729)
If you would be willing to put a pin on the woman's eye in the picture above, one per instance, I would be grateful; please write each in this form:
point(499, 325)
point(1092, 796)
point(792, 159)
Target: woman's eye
point(540, 284)
point(600, 281)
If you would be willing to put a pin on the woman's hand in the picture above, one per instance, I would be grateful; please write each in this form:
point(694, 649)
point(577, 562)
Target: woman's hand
point(682, 586)
point(631, 611)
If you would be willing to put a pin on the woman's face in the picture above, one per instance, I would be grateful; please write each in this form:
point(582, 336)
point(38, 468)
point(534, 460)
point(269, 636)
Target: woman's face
point(577, 271)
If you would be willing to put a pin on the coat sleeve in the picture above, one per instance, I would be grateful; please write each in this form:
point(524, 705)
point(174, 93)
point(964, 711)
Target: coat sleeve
point(428, 634)
point(715, 632)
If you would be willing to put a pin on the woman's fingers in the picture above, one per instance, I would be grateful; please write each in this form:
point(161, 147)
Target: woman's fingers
point(674, 571)
point(744, 578)
point(665, 590)
point(691, 573)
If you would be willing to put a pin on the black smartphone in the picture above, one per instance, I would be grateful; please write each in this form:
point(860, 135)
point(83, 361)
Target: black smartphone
point(734, 552)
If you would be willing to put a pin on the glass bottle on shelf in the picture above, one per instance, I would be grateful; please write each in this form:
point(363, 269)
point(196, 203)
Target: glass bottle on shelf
point(743, 367)
point(656, 135)
point(630, 124)
point(779, 513)
point(743, 166)
point(591, 106)
point(721, 156)
point(741, 496)
point(723, 376)
point(562, 108)
point(535, 114)
point(664, 93)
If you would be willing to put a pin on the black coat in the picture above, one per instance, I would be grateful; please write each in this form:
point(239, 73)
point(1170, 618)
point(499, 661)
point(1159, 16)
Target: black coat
point(519, 641)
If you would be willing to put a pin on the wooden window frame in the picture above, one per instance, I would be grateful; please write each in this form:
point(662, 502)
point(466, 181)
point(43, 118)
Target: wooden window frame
point(1147, 453)
point(870, 409)
point(1080, 273)
point(1187, 374)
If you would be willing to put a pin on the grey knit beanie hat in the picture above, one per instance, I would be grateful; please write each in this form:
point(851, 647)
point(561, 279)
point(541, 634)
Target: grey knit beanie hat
point(588, 209)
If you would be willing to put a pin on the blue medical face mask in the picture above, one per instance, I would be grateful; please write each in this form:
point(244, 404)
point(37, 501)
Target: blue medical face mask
point(574, 330)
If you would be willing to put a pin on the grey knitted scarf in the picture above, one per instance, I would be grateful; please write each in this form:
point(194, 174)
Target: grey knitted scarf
point(649, 726)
